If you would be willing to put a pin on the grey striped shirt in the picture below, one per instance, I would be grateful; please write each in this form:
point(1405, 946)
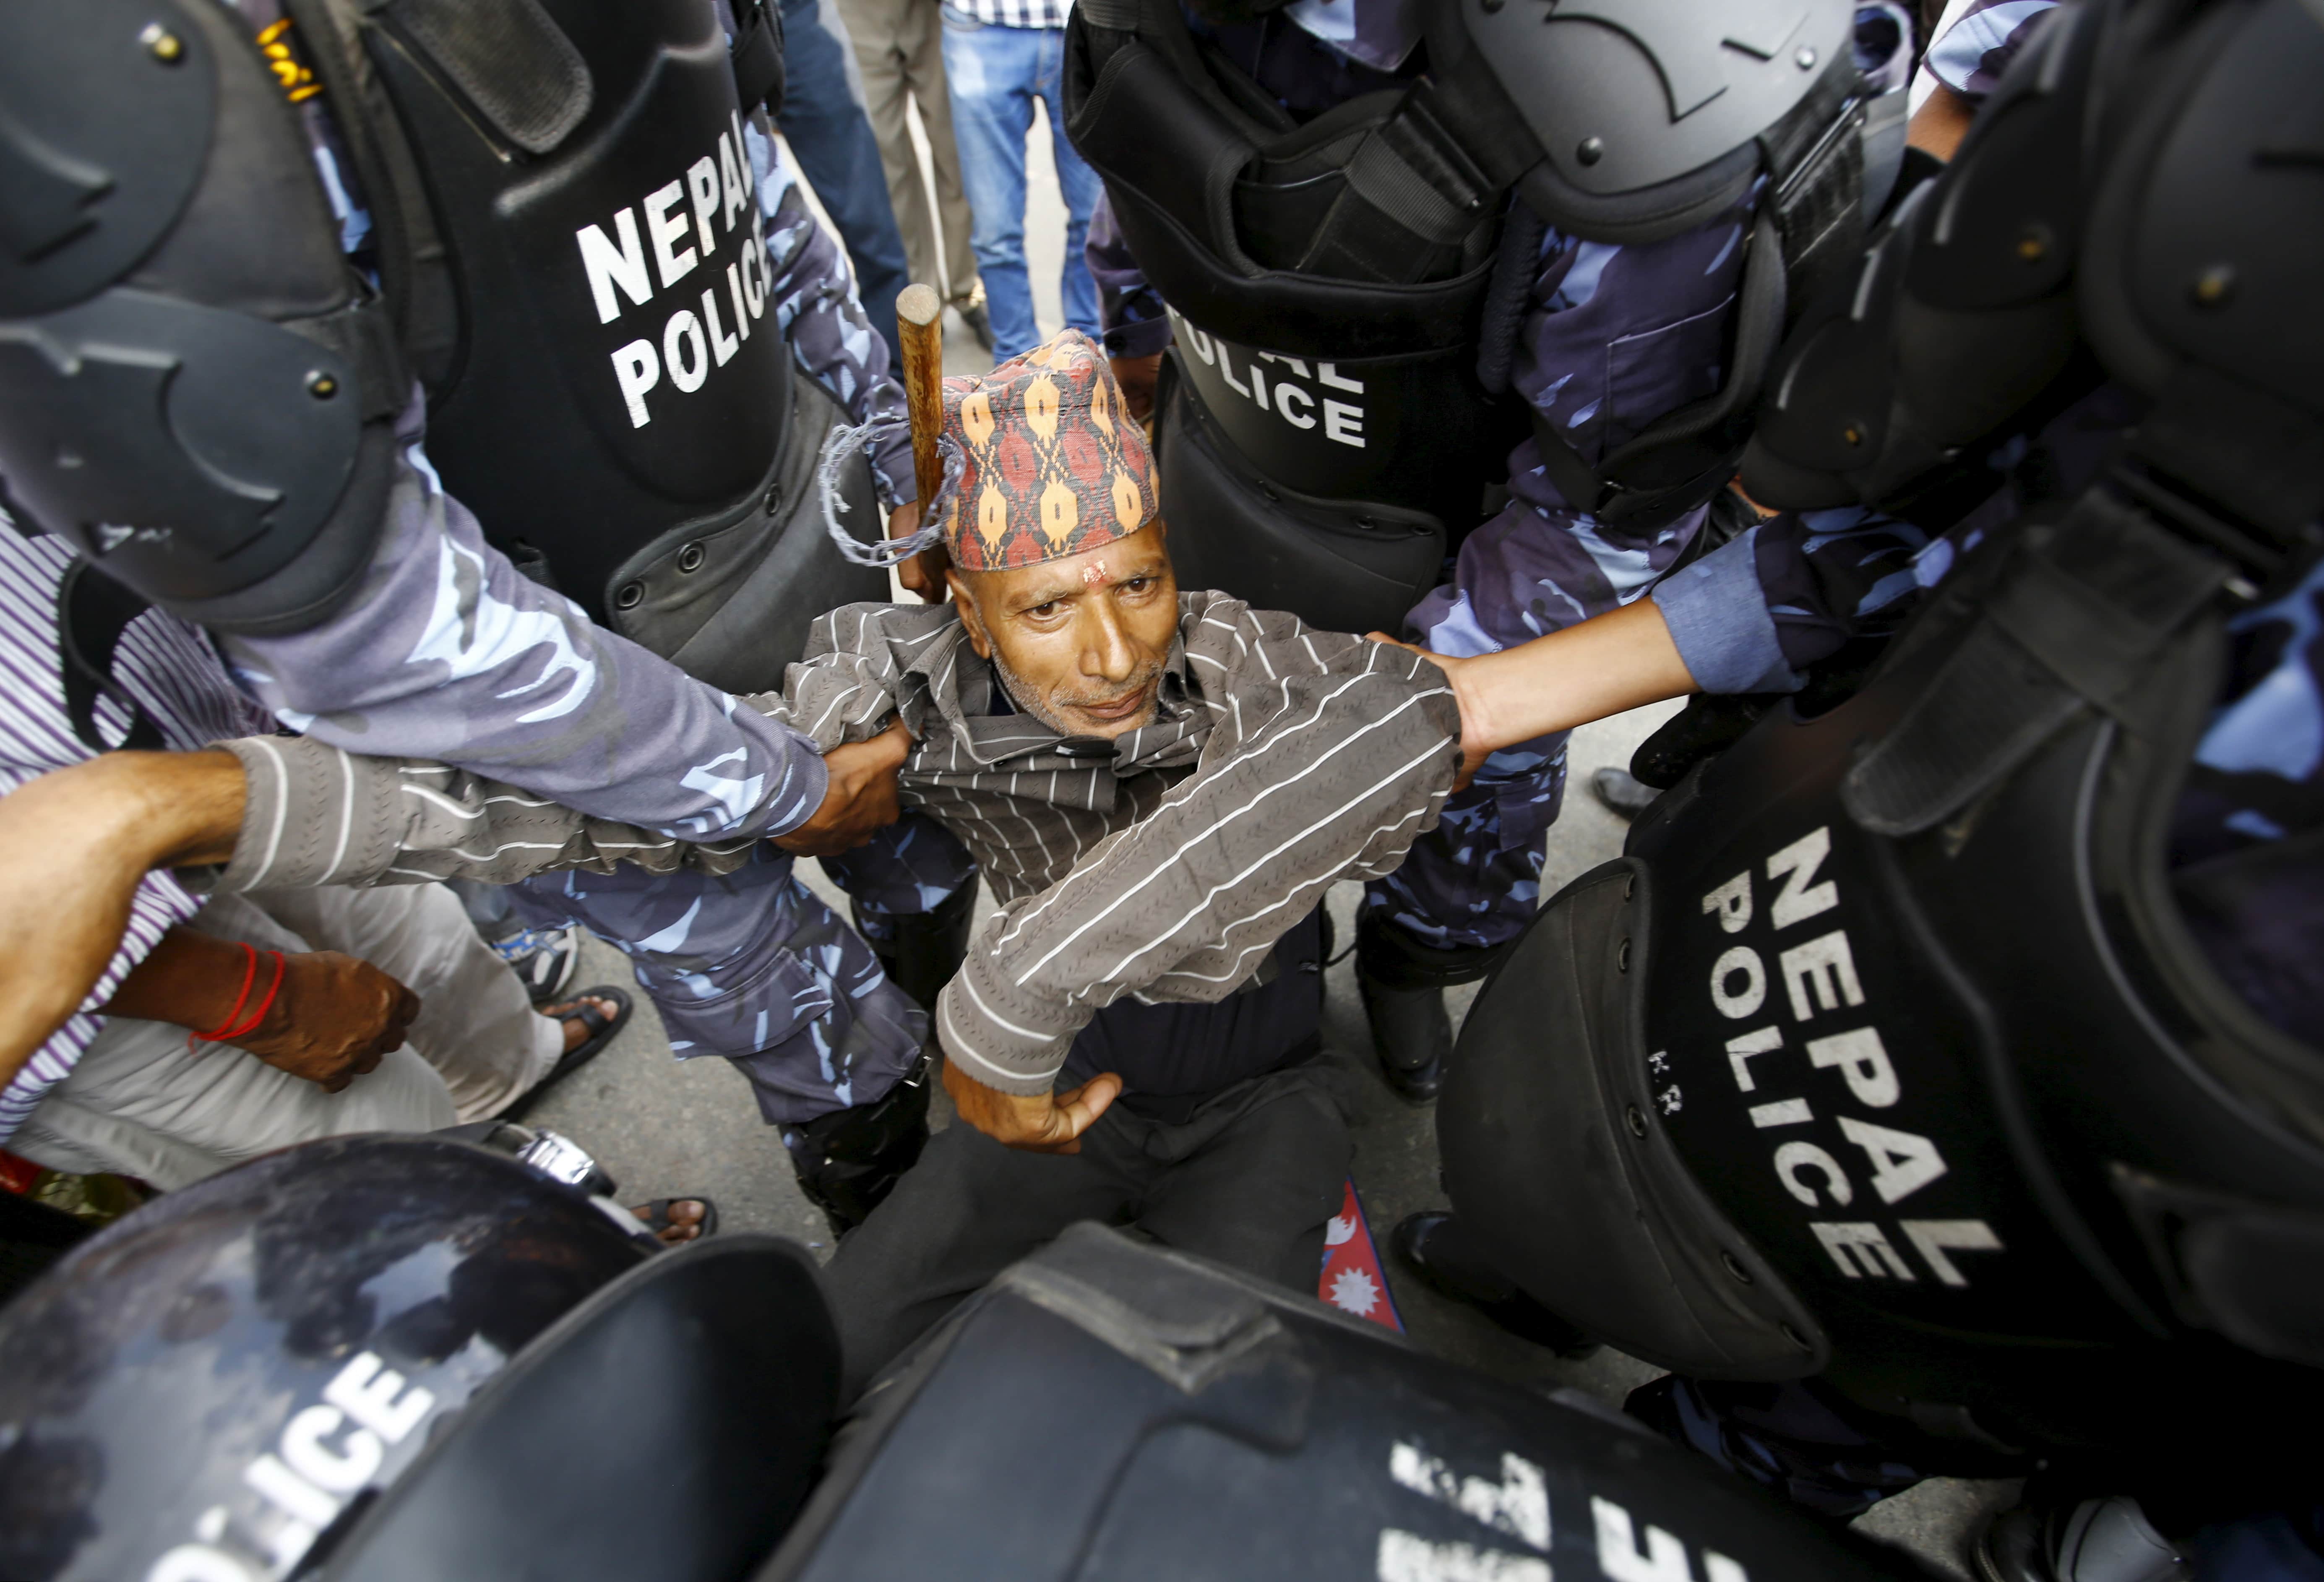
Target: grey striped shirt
point(175, 677)
point(1163, 865)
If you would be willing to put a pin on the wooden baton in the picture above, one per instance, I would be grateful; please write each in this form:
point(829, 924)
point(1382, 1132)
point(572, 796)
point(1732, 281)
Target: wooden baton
point(919, 329)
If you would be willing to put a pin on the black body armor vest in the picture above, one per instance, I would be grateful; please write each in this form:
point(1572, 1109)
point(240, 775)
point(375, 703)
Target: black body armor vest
point(571, 263)
point(577, 261)
point(1346, 292)
point(195, 388)
point(1885, 1053)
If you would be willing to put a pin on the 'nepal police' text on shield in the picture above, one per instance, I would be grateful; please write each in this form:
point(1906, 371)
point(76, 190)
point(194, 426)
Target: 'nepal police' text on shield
point(1816, 981)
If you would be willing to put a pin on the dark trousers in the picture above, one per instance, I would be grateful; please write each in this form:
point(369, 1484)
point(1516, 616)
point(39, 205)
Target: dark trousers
point(1249, 1179)
point(825, 121)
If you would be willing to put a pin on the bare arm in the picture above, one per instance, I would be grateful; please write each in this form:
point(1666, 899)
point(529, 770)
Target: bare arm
point(1621, 660)
point(331, 1019)
point(74, 844)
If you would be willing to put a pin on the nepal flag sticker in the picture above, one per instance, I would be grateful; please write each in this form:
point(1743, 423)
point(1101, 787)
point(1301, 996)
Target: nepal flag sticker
point(1352, 1279)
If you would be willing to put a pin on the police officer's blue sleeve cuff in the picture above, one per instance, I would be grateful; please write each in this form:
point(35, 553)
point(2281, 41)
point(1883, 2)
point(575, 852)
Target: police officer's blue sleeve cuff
point(1719, 618)
point(1144, 339)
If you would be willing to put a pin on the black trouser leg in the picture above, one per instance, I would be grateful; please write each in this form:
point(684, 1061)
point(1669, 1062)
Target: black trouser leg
point(969, 1210)
point(1259, 1196)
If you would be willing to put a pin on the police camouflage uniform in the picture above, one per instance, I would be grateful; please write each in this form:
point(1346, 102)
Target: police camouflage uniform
point(1612, 337)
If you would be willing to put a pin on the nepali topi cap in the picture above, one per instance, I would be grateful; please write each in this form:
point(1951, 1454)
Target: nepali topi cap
point(1052, 463)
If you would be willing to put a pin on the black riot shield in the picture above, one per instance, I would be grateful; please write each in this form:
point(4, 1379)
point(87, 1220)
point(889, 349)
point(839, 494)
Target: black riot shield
point(1111, 1409)
point(1884, 1053)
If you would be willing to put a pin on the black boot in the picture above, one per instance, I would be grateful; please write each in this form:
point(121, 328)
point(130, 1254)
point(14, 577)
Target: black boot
point(1432, 1245)
point(928, 946)
point(1412, 1033)
point(1625, 796)
point(1402, 986)
point(849, 1160)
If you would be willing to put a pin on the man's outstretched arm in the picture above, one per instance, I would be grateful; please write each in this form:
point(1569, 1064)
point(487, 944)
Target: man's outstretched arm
point(315, 814)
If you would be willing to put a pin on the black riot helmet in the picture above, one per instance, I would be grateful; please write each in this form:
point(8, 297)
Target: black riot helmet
point(222, 1375)
point(409, 1359)
point(1639, 119)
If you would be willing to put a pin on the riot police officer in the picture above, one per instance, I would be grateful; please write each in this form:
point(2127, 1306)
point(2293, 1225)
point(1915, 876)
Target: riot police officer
point(257, 249)
point(1934, 1083)
point(1523, 271)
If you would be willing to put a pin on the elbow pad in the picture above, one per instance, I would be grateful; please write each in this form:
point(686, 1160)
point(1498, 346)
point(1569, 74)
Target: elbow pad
point(196, 388)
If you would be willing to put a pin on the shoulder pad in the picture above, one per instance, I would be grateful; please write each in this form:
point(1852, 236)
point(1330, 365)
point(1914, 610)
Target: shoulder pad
point(194, 389)
point(2206, 229)
point(1961, 309)
point(110, 107)
point(2198, 282)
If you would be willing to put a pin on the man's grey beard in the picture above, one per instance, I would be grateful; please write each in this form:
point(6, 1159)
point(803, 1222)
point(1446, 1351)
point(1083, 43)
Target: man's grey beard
point(1031, 702)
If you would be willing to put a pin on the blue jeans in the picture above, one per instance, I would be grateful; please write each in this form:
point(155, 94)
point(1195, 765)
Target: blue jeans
point(824, 120)
point(995, 73)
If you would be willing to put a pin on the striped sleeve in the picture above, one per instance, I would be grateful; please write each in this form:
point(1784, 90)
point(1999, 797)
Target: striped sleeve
point(1350, 750)
point(314, 814)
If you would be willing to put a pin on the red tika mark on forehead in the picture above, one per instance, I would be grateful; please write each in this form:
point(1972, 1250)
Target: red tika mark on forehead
point(1093, 575)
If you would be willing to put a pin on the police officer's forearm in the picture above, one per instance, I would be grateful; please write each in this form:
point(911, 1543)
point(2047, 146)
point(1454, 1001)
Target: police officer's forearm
point(447, 652)
point(1621, 660)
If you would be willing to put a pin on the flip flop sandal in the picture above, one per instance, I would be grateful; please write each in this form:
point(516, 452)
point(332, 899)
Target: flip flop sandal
point(657, 1220)
point(602, 1031)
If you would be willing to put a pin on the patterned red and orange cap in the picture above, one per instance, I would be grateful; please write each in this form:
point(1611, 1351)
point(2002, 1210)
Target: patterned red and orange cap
point(1052, 463)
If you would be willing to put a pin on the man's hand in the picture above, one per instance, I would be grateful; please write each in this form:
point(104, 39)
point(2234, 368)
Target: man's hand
point(922, 574)
point(860, 797)
point(1137, 376)
point(1045, 1123)
point(332, 1021)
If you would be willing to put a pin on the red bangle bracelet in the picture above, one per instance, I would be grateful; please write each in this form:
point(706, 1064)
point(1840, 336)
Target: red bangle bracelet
point(264, 1005)
point(249, 976)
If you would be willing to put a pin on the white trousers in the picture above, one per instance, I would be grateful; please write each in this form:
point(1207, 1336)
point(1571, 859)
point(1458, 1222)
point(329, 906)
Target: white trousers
point(138, 1104)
